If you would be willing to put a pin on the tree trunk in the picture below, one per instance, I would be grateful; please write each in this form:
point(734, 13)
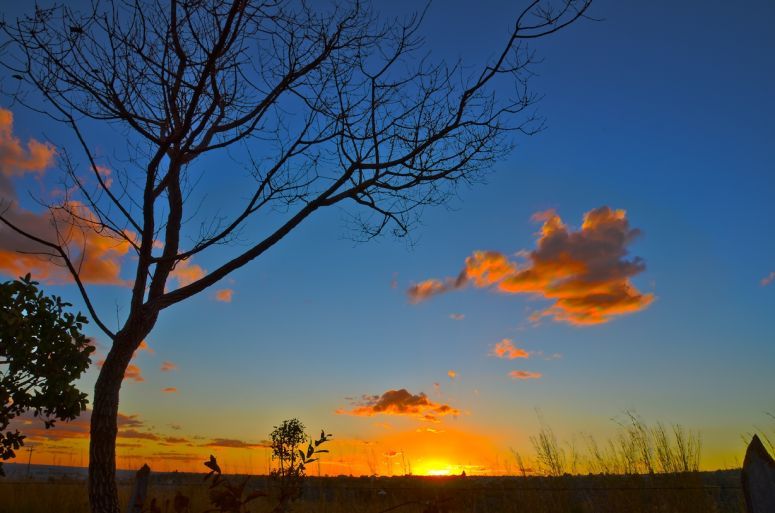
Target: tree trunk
point(103, 493)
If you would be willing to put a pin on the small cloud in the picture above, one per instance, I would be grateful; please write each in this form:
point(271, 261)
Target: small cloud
point(400, 402)
point(176, 440)
point(132, 373)
point(168, 366)
point(433, 287)
point(224, 295)
point(170, 390)
point(521, 374)
point(768, 279)
point(145, 347)
point(176, 427)
point(236, 444)
point(139, 435)
point(457, 316)
point(105, 173)
point(507, 350)
point(394, 281)
point(452, 374)
point(187, 273)
point(541, 354)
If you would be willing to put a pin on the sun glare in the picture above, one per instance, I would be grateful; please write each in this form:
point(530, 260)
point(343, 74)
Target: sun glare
point(434, 468)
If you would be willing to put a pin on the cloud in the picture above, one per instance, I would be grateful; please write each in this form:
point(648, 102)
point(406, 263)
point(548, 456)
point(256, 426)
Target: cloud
point(168, 366)
point(522, 374)
point(235, 444)
point(541, 354)
point(34, 428)
point(145, 347)
point(72, 224)
point(457, 316)
point(132, 372)
point(97, 256)
point(400, 402)
point(186, 273)
point(507, 350)
point(170, 390)
point(176, 440)
point(768, 279)
point(15, 160)
point(224, 295)
point(452, 374)
point(137, 435)
point(433, 287)
point(585, 273)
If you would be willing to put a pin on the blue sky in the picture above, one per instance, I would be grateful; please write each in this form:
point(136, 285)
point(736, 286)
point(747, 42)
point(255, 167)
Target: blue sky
point(663, 109)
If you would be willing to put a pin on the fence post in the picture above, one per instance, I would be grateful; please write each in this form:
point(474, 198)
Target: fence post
point(758, 478)
point(140, 490)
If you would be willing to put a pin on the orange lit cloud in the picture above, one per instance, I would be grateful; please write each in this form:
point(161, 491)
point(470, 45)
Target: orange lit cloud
point(400, 402)
point(132, 372)
point(145, 347)
point(452, 374)
point(15, 160)
point(186, 273)
point(768, 279)
point(585, 273)
point(521, 374)
point(96, 255)
point(168, 366)
point(170, 390)
point(72, 225)
point(224, 295)
point(507, 350)
point(457, 316)
point(433, 287)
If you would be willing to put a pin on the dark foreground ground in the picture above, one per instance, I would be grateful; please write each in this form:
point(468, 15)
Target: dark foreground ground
point(703, 492)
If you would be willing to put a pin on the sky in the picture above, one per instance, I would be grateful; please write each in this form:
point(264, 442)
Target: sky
point(616, 261)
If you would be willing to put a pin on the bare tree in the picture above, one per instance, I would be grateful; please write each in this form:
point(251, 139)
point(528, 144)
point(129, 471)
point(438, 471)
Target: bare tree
point(332, 105)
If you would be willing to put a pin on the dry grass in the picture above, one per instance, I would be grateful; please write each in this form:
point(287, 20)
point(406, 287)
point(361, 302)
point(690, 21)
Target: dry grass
point(685, 493)
point(637, 448)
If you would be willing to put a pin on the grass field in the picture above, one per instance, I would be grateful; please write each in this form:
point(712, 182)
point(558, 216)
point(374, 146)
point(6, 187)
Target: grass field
point(700, 492)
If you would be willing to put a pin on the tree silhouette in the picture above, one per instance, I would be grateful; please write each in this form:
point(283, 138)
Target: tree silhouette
point(294, 451)
point(42, 351)
point(333, 106)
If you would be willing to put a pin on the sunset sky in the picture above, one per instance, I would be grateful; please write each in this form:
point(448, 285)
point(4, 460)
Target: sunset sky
point(617, 261)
